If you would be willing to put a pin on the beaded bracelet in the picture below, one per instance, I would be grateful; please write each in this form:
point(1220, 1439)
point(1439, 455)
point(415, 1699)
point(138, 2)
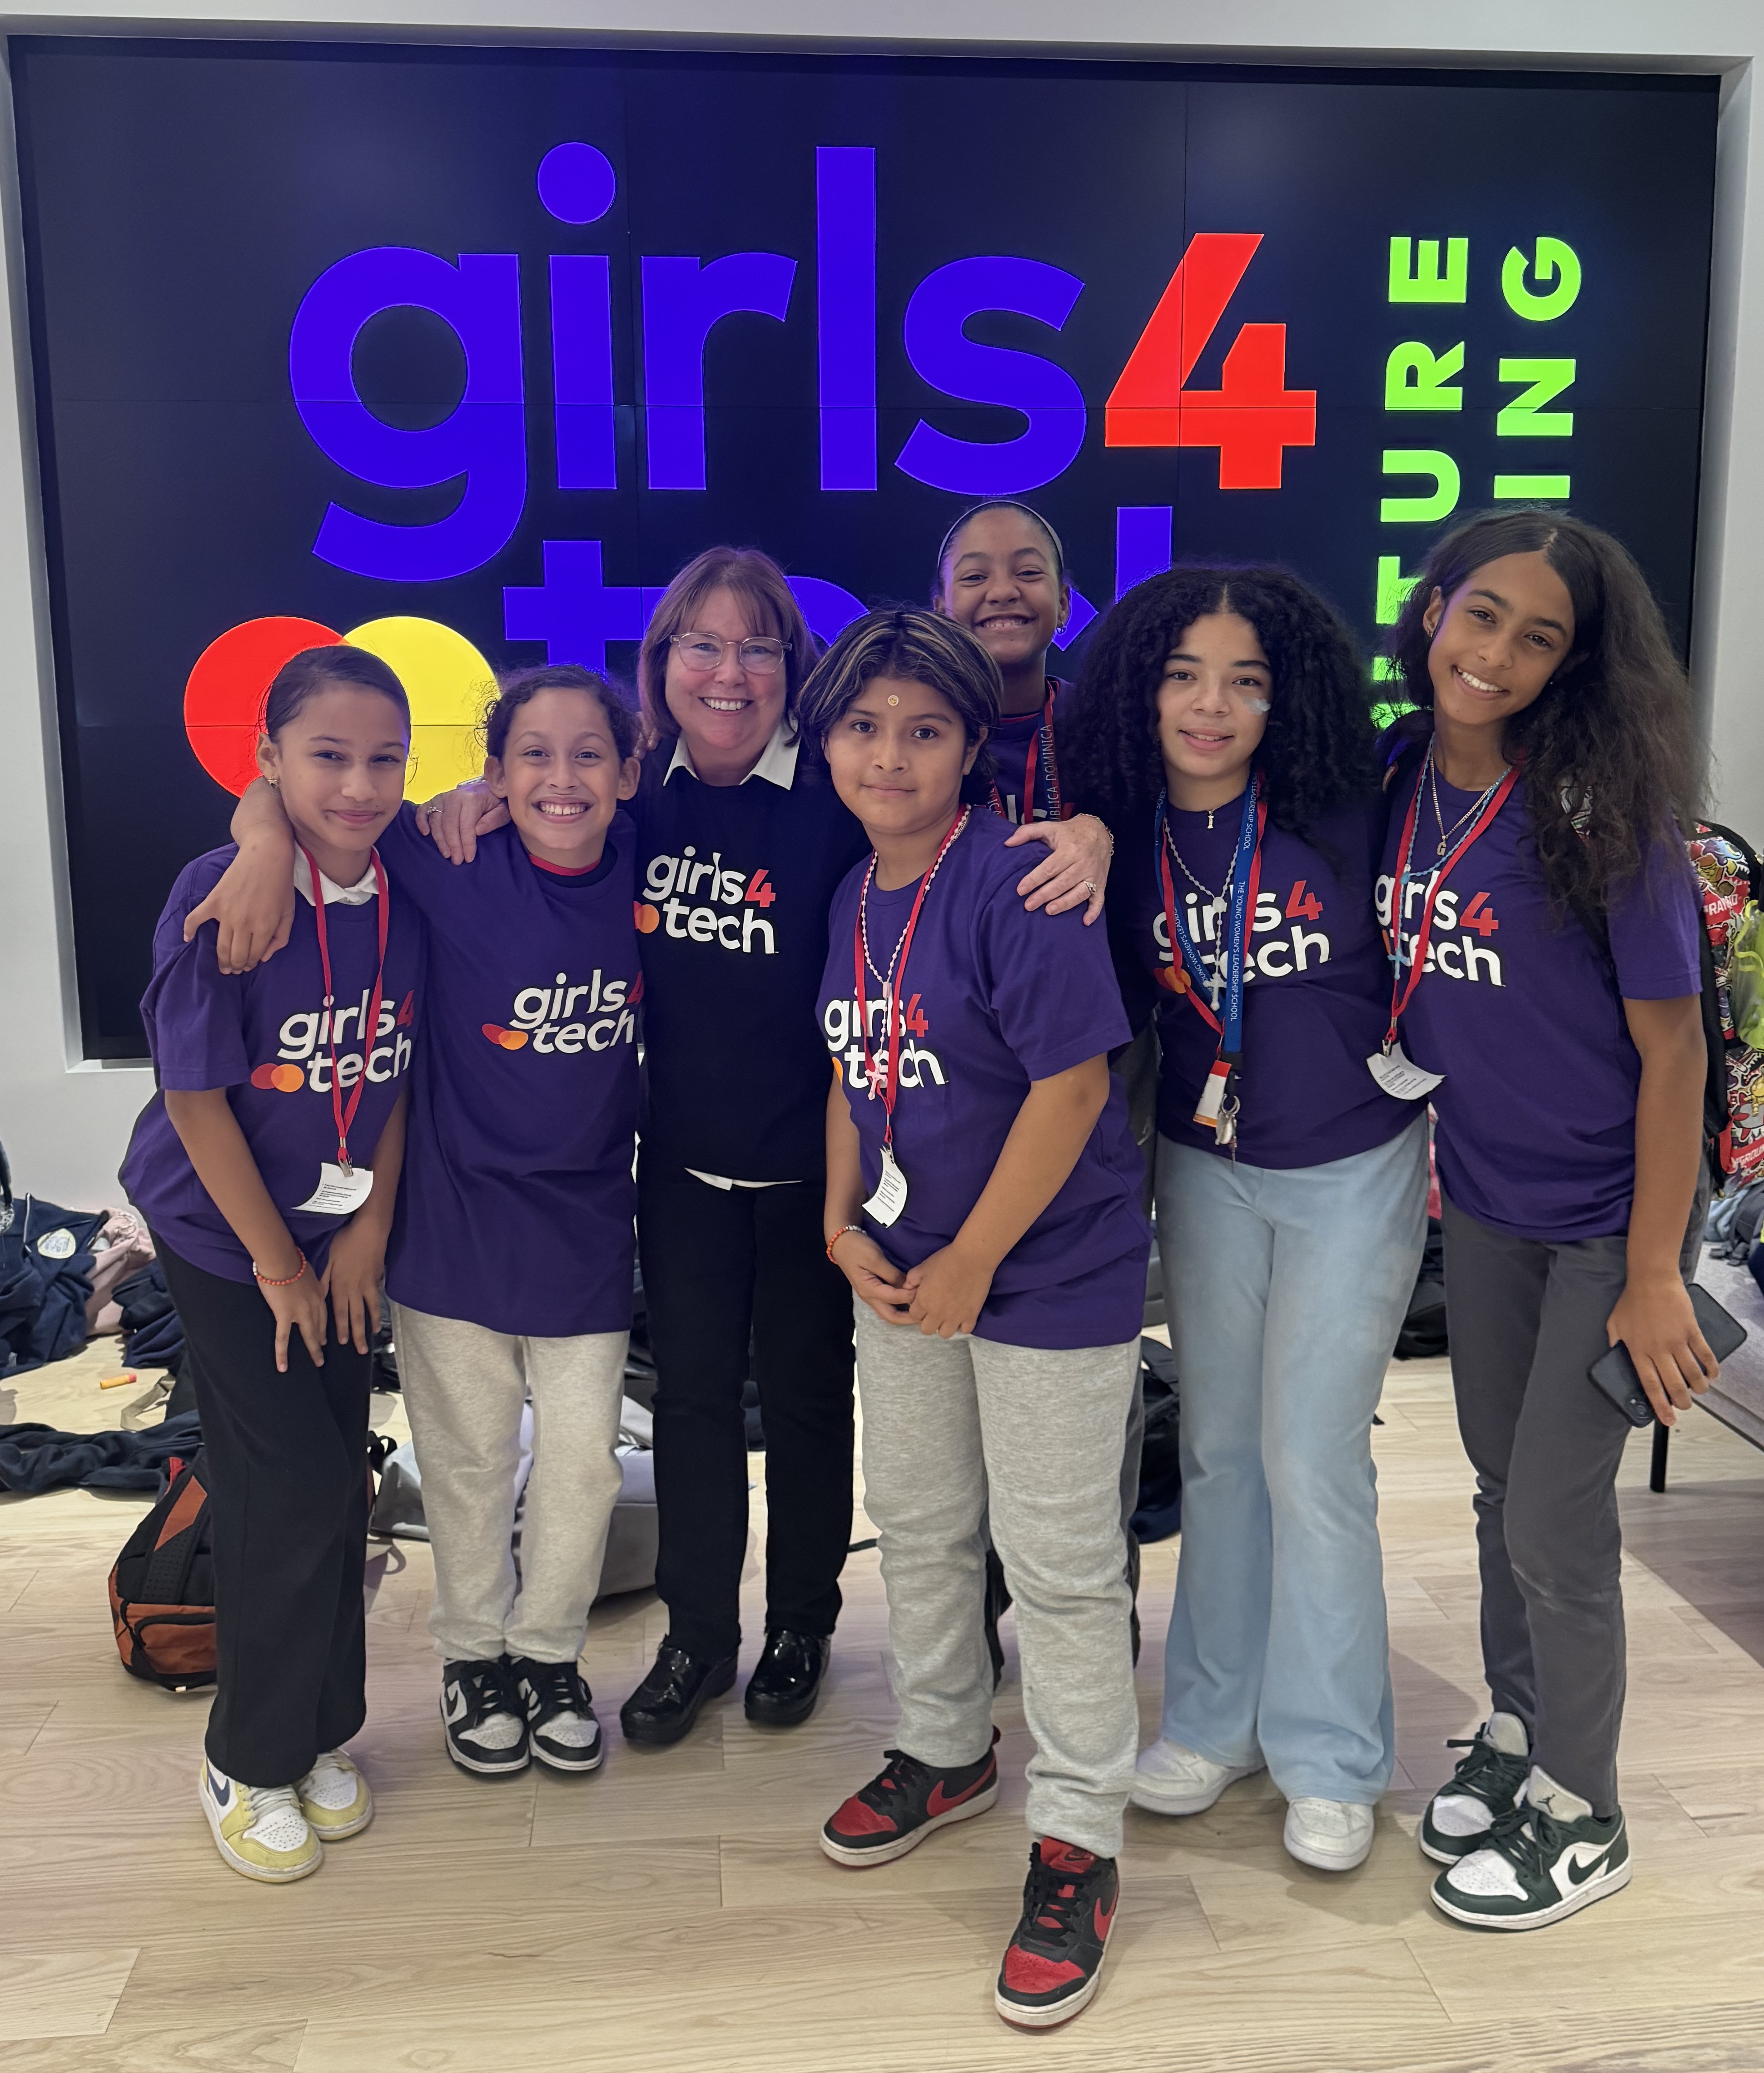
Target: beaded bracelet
point(839, 1234)
point(286, 1282)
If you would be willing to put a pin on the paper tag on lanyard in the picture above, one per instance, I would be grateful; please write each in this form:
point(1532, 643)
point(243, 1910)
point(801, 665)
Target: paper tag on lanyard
point(339, 1193)
point(1396, 1072)
point(884, 1207)
point(342, 1186)
point(1400, 1077)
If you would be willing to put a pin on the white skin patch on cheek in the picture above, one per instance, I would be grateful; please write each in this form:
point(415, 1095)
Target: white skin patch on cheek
point(1259, 705)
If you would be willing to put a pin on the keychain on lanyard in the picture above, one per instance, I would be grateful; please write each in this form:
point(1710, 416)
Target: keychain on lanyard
point(884, 1207)
point(1389, 1065)
point(1041, 754)
point(1217, 1109)
point(342, 1186)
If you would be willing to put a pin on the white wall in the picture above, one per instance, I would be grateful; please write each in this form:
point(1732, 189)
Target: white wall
point(65, 1123)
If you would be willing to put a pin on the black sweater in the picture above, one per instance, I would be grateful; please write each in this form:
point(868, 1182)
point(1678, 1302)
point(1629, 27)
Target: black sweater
point(733, 887)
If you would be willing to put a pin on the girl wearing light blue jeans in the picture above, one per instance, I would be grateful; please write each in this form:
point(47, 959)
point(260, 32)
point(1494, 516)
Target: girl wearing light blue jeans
point(1222, 730)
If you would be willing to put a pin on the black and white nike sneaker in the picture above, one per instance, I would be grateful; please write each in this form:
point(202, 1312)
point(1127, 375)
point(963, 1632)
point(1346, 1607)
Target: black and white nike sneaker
point(1543, 1861)
point(561, 1725)
point(1489, 1782)
point(484, 1717)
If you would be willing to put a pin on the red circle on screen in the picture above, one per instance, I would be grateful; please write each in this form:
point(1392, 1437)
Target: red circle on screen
point(223, 697)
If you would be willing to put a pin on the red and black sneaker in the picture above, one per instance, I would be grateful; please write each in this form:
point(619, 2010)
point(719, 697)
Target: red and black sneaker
point(1052, 1963)
point(902, 1805)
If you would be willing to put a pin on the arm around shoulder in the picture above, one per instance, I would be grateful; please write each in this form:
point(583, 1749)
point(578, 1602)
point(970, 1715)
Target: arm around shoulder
point(253, 904)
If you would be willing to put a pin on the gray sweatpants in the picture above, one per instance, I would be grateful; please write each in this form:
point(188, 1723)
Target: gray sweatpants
point(1527, 1320)
point(951, 1427)
point(464, 1387)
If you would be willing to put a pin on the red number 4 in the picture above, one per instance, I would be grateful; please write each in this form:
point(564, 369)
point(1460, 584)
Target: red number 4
point(1252, 417)
point(1480, 916)
point(1301, 905)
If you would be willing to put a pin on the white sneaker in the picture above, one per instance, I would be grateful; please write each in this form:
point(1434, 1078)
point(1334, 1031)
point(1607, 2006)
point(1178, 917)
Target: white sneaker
point(335, 1799)
point(1333, 1835)
point(1170, 1779)
point(1488, 1782)
point(259, 1829)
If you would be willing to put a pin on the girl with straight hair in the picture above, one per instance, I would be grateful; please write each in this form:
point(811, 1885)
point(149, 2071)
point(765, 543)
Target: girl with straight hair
point(267, 1166)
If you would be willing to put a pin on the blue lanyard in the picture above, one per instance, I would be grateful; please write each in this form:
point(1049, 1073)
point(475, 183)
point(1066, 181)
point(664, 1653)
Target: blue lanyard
point(1235, 937)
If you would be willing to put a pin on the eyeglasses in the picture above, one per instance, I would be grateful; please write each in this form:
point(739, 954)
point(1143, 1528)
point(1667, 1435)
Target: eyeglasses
point(704, 652)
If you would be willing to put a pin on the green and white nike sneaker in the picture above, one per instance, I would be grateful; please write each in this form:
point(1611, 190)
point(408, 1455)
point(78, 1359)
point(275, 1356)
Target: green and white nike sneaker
point(1487, 1784)
point(259, 1829)
point(1545, 1859)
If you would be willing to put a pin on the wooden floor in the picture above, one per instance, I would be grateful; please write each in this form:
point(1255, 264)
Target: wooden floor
point(673, 1915)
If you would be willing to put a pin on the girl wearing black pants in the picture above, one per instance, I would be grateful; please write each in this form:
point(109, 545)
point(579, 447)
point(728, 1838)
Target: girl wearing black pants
point(267, 1165)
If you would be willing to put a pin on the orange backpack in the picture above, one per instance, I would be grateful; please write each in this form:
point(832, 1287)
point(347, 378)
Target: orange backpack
point(162, 1588)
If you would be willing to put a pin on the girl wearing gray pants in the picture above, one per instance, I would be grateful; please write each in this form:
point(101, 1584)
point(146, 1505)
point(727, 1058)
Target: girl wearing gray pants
point(983, 1199)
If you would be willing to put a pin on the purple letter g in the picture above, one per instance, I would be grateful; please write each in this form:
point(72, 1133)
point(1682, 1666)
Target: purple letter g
point(483, 440)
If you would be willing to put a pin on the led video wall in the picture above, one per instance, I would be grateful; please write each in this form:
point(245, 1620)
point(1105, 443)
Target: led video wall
point(460, 354)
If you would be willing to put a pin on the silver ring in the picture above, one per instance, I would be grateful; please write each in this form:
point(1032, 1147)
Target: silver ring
point(1090, 886)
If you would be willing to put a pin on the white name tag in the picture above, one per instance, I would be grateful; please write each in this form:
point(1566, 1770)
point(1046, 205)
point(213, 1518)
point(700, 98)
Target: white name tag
point(1400, 1076)
point(884, 1207)
point(338, 1194)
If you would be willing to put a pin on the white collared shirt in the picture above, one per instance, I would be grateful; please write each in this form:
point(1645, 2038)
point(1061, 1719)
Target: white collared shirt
point(777, 765)
point(365, 887)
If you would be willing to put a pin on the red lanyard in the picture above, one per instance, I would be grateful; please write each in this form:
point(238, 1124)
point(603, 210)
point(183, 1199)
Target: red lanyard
point(888, 1086)
point(1041, 752)
point(345, 1116)
point(1401, 992)
point(1184, 980)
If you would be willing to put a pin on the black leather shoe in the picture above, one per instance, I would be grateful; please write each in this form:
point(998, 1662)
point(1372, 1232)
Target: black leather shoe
point(664, 1706)
point(786, 1680)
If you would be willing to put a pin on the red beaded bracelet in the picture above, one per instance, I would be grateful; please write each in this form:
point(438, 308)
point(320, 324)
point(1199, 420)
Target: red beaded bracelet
point(839, 1234)
point(288, 1281)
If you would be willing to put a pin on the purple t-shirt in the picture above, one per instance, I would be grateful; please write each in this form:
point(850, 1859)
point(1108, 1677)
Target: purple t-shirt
point(264, 1036)
point(1523, 1014)
point(1316, 998)
point(516, 1207)
point(1010, 742)
point(994, 998)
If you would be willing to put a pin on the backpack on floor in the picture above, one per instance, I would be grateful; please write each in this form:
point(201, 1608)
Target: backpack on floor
point(162, 1588)
point(1727, 878)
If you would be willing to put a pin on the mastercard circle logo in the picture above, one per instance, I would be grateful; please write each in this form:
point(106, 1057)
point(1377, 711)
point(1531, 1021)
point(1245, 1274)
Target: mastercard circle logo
point(284, 1079)
point(448, 683)
point(648, 918)
point(510, 1039)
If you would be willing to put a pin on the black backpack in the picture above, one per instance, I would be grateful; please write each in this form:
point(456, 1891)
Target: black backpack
point(162, 1588)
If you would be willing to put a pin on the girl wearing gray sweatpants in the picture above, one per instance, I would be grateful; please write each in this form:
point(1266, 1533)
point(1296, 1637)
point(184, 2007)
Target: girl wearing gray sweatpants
point(983, 1199)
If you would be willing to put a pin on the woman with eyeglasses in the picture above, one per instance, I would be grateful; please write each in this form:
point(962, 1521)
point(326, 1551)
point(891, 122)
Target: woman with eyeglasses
point(742, 841)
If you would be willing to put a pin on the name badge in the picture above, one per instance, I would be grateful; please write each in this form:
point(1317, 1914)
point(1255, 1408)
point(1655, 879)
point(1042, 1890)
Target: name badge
point(338, 1194)
point(1400, 1077)
point(884, 1207)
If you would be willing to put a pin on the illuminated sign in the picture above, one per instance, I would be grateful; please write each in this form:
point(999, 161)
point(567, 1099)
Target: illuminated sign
point(461, 353)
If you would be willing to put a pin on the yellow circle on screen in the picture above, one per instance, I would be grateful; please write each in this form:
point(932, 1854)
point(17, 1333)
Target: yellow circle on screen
point(449, 684)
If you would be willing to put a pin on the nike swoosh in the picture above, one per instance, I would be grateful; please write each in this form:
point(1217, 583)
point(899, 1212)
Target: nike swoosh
point(222, 1793)
point(1104, 1921)
point(1579, 1874)
point(941, 1801)
point(456, 1706)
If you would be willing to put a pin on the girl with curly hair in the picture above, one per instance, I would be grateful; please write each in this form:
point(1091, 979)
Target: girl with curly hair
point(1546, 926)
point(1223, 731)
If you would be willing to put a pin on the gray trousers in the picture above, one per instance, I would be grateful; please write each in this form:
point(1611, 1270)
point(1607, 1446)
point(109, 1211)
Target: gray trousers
point(1527, 1320)
point(464, 1387)
point(951, 1428)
